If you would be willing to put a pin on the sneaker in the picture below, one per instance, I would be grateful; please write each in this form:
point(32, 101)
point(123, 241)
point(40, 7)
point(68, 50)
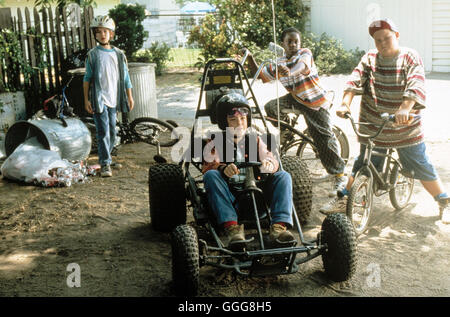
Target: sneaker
point(279, 233)
point(339, 184)
point(106, 171)
point(336, 205)
point(235, 234)
point(444, 211)
point(116, 165)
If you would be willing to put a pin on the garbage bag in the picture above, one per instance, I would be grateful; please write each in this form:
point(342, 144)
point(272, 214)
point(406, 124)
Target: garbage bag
point(31, 161)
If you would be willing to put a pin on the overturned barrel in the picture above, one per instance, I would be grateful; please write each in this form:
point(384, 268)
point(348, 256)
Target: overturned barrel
point(73, 142)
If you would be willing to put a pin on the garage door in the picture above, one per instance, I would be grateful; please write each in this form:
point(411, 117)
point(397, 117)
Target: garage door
point(441, 35)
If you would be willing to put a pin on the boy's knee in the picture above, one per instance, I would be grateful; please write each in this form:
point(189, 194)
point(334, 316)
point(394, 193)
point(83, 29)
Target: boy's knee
point(211, 177)
point(283, 177)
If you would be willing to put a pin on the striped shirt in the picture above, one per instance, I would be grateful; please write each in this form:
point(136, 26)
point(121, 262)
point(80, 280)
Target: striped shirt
point(306, 89)
point(383, 84)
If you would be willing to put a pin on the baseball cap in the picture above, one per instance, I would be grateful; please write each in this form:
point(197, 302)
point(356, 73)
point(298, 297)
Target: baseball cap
point(382, 24)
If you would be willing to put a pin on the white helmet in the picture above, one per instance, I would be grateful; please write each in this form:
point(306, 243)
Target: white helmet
point(103, 21)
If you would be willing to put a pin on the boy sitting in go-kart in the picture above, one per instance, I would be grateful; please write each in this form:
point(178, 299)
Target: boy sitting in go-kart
point(222, 178)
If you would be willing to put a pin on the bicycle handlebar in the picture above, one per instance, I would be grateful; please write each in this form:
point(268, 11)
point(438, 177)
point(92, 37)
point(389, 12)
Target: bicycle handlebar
point(386, 118)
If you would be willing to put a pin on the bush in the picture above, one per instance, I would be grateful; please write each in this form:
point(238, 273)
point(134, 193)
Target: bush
point(157, 53)
point(130, 34)
point(329, 54)
point(212, 37)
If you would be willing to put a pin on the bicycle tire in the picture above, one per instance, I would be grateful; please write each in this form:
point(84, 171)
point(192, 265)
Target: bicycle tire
point(308, 152)
point(401, 182)
point(152, 130)
point(359, 220)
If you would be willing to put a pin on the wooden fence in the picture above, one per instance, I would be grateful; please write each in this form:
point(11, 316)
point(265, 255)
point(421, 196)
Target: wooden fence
point(48, 37)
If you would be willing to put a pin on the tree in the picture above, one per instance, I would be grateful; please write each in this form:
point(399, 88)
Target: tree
point(251, 20)
point(130, 34)
point(61, 3)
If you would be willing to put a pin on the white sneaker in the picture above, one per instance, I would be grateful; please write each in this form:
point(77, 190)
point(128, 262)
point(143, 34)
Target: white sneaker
point(336, 205)
point(445, 215)
point(339, 184)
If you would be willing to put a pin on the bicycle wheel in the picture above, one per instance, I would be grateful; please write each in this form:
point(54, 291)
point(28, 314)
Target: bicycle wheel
point(401, 193)
point(308, 152)
point(152, 131)
point(359, 203)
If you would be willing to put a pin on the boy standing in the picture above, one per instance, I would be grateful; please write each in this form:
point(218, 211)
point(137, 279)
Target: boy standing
point(298, 74)
point(107, 88)
point(392, 79)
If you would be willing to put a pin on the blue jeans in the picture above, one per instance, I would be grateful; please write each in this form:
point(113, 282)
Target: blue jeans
point(105, 124)
point(222, 200)
point(413, 158)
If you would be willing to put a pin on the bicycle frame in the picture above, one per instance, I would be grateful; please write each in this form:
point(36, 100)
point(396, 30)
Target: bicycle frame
point(378, 180)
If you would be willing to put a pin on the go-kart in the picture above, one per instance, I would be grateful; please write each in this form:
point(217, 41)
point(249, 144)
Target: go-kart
point(200, 243)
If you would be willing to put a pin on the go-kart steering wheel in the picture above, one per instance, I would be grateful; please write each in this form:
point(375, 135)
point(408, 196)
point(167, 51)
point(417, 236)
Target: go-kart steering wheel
point(247, 164)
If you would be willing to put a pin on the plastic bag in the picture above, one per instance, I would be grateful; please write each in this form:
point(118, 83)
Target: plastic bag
point(31, 163)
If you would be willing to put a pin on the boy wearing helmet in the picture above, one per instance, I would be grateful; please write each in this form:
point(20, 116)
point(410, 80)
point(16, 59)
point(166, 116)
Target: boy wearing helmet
point(107, 88)
point(222, 178)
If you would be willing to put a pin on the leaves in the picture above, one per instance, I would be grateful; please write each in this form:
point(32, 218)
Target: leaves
point(130, 34)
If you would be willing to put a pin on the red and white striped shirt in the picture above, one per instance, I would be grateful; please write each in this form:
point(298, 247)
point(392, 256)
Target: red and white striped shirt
point(306, 89)
point(384, 83)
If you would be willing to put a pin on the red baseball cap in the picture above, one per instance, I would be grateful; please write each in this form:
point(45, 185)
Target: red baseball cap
point(382, 24)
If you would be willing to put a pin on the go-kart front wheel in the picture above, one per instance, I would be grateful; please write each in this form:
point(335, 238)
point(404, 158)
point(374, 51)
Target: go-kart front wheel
point(167, 197)
point(185, 261)
point(339, 258)
point(301, 186)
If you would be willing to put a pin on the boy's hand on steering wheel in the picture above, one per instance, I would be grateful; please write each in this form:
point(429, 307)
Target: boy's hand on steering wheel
point(231, 170)
point(267, 166)
point(342, 110)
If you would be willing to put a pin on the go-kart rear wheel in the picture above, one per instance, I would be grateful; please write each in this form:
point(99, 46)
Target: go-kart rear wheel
point(339, 259)
point(167, 196)
point(301, 186)
point(185, 261)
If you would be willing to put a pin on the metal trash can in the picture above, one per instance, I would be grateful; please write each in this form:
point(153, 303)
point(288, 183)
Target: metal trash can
point(73, 142)
point(142, 76)
point(74, 92)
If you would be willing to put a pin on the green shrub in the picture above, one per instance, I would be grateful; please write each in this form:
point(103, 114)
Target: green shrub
point(213, 38)
point(329, 54)
point(158, 53)
point(130, 34)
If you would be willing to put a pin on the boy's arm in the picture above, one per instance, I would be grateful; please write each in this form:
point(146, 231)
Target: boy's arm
point(86, 82)
point(130, 99)
point(345, 105)
point(254, 67)
point(87, 103)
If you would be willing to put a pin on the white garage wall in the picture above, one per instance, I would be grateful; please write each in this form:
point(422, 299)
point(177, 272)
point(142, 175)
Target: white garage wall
point(348, 21)
point(441, 35)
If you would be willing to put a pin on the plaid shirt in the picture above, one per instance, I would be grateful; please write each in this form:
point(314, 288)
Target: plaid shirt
point(306, 89)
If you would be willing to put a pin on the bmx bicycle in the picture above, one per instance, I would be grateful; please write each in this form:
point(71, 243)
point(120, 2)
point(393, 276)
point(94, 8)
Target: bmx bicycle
point(149, 130)
point(368, 181)
point(300, 143)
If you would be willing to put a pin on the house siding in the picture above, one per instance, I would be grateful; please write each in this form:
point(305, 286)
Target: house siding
point(441, 35)
point(348, 21)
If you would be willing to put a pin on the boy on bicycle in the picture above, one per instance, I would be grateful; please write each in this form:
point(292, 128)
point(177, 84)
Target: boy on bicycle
point(106, 87)
point(391, 79)
point(298, 74)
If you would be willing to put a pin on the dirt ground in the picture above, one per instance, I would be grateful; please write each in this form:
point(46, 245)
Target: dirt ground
point(104, 227)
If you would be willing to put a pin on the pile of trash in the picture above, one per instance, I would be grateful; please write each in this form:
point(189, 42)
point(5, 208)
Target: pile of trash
point(32, 163)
